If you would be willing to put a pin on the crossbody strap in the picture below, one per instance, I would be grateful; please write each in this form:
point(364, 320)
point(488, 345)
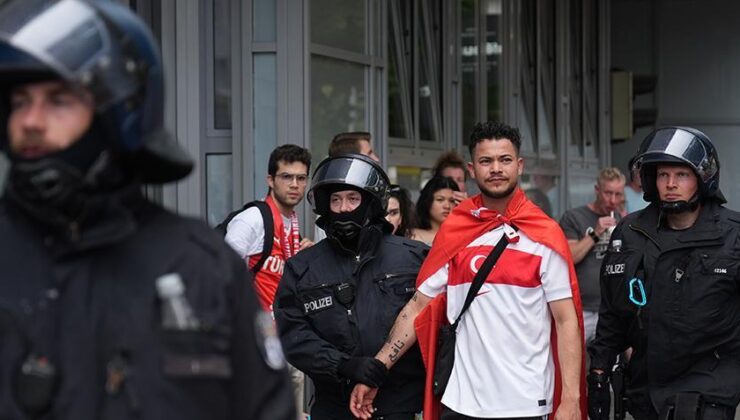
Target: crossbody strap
point(482, 273)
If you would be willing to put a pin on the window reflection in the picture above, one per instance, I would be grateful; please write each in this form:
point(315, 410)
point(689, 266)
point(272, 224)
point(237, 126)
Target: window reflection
point(221, 65)
point(337, 101)
point(339, 24)
point(218, 187)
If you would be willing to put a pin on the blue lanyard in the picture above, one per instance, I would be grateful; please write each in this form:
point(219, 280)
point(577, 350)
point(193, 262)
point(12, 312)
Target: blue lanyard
point(636, 285)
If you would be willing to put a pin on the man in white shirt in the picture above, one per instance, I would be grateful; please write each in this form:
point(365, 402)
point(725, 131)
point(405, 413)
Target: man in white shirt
point(287, 177)
point(505, 364)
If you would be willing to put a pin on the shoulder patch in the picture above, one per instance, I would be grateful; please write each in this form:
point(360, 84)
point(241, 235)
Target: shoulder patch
point(267, 341)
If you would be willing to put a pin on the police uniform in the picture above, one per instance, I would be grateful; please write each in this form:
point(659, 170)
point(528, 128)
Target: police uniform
point(90, 307)
point(335, 303)
point(673, 296)
point(110, 306)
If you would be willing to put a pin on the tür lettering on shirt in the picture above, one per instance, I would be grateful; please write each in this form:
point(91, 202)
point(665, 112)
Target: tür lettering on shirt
point(318, 304)
point(614, 268)
point(274, 264)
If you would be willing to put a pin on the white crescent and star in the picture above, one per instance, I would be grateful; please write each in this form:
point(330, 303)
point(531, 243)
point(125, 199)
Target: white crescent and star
point(473, 266)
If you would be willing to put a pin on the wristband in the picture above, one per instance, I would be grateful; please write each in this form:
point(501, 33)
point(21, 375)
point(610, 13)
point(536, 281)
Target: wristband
point(590, 232)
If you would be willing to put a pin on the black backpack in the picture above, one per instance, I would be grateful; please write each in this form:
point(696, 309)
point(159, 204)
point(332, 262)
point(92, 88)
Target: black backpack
point(266, 221)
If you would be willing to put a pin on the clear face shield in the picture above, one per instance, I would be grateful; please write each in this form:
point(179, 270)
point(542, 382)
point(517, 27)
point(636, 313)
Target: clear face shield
point(683, 146)
point(71, 38)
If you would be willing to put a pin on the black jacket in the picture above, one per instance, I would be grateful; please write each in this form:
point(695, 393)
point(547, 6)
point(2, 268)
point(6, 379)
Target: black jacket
point(101, 326)
point(687, 335)
point(319, 331)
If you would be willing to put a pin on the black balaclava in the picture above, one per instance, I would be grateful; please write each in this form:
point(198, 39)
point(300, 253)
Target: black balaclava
point(346, 227)
point(60, 188)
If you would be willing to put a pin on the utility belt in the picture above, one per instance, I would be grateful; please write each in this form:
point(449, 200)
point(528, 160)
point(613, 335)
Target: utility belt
point(692, 406)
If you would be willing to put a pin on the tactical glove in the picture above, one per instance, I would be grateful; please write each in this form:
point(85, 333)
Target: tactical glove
point(599, 398)
point(367, 370)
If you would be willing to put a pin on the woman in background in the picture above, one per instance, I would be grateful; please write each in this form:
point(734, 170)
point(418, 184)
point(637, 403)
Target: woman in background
point(435, 204)
point(400, 212)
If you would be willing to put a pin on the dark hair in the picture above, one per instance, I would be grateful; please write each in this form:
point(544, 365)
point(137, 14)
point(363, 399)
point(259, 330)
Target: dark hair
point(344, 143)
point(450, 159)
point(288, 153)
point(426, 198)
point(406, 208)
point(494, 130)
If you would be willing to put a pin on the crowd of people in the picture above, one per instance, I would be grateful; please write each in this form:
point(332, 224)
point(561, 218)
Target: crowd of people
point(458, 306)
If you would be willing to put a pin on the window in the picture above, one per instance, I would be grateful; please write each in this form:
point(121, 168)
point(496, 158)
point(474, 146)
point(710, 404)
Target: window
point(415, 72)
point(481, 63)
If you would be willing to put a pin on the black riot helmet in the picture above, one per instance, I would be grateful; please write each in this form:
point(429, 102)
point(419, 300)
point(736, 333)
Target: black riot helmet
point(679, 145)
point(350, 171)
point(103, 47)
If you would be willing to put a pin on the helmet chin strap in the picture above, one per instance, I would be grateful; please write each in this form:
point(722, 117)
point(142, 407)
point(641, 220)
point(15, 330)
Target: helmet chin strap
point(682, 206)
point(59, 188)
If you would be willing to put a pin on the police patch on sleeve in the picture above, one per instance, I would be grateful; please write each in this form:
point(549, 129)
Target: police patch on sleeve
point(268, 341)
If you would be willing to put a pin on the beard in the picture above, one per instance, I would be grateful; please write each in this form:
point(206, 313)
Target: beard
point(498, 195)
point(284, 200)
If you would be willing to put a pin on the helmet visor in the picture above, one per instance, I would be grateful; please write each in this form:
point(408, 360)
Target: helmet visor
point(356, 172)
point(71, 39)
point(683, 146)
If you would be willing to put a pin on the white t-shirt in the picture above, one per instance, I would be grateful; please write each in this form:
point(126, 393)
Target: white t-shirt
point(246, 232)
point(503, 361)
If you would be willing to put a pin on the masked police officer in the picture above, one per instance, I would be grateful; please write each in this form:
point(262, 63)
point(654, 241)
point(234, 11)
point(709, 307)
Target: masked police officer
point(110, 306)
point(671, 289)
point(337, 300)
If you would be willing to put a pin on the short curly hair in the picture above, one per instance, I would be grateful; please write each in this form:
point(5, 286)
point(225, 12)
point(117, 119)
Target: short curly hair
point(494, 130)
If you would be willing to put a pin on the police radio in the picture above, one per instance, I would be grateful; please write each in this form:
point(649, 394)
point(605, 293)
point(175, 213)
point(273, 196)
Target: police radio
point(345, 293)
point(36, 384)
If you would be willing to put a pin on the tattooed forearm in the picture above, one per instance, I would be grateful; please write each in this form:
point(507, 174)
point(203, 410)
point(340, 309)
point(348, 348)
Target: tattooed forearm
point(402, 336)
point(396, 349)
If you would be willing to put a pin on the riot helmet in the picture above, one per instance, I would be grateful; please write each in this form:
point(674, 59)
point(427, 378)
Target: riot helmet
point(350, 172)
point(103, 47)
point(684, 146)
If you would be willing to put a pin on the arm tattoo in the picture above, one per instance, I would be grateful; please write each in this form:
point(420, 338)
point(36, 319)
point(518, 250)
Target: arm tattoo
point(396, 348)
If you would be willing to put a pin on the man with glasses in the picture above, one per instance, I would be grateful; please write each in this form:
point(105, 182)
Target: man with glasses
point(588, 229)
point(287, 178)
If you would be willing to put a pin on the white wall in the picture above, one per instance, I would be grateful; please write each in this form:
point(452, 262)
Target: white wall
point(692, 46)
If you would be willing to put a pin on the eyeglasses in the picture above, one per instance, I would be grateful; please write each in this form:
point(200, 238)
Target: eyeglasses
point(289, 178)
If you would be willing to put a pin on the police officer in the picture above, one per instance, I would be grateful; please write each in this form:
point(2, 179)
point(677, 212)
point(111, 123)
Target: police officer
point(110, 306)
point(337, 300)
point(671, 289)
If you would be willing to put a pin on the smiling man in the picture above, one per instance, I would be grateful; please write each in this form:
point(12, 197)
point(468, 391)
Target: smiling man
point(669, 289)
point(503, 365)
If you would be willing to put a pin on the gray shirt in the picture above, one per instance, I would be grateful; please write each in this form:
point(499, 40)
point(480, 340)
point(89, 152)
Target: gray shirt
point(574, 223)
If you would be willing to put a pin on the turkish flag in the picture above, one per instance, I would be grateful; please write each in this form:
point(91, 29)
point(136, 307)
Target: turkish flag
point(469, 220)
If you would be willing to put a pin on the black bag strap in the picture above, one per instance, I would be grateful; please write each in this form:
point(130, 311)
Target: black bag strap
point(267, 222)
point(482, 273)
point(269, 234)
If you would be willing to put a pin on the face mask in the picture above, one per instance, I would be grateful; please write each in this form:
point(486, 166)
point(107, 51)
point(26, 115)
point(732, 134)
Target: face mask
point(57, 188)
point(347, 226)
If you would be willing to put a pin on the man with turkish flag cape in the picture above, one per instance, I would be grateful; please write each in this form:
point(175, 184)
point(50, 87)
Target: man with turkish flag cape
point(468, 221)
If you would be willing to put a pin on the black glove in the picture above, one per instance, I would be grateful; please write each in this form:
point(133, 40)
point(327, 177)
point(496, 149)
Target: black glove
point(599, 398)
point(367, 370)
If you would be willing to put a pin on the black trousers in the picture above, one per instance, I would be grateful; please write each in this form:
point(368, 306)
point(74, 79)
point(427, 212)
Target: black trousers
point(448, 414)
